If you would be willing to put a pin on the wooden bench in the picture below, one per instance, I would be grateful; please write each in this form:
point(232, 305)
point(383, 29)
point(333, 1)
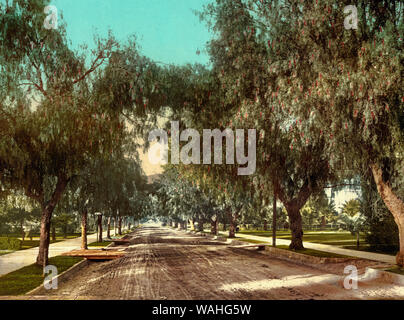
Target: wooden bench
point(95, 254)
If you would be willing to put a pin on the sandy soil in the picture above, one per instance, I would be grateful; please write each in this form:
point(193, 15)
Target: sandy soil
point(165, 264)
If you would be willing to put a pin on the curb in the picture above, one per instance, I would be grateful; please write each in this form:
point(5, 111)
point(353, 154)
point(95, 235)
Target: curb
point(60, 277)
point(236, 242)
point(372, 273)
point(303, 258)
point(110, 245)
point(65, 275)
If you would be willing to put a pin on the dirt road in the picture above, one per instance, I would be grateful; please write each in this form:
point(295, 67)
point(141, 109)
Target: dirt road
point(166, 264)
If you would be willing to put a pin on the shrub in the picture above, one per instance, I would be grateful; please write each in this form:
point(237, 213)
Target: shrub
point(10, 244)
point(383, 234)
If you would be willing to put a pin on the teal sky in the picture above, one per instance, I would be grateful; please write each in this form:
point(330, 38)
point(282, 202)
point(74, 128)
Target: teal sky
point(167, 30)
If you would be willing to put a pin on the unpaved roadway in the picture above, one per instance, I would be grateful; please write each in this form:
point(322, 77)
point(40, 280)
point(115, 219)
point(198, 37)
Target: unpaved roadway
point(165, 264)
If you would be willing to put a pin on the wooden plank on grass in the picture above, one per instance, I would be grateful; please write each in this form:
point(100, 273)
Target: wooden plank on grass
point(95, 254)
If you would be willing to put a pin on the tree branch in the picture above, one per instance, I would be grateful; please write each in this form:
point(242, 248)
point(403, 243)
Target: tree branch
point(39, 87)
point(93, 67)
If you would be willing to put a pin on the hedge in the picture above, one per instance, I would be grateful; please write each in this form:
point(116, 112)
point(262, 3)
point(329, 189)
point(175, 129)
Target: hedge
point(10, 244)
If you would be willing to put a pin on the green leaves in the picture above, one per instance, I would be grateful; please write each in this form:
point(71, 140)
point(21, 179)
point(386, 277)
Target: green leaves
point(48, 104)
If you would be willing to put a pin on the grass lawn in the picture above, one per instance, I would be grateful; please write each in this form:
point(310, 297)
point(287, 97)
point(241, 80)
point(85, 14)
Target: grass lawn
point(342, 239)
point(250, 240)
point(262, 233)
point(28, 278)
point(315, 253)
point(28, 243)
point(310, 252)
point(336, 238)
point(368, 249)
point(99, 244)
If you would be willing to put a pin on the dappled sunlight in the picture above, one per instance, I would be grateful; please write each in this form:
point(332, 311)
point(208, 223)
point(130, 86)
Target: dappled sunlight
point(288, 281)
point(380, 291)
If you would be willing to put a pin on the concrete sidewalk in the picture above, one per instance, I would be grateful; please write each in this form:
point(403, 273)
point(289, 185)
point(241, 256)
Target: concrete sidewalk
point(324, 247)
point(18, 259)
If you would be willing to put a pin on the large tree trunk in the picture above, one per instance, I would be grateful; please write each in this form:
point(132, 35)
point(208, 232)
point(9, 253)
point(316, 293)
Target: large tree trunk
point(84, 245)
point(99, 227)
point(47, 210)
point(42, 258)
point(115, 226)
point(233, 225)
point(394, 204)
point(274, 222)
point(109, 228)
point(295, 220)
point(213, 226)
point(120, 225)
point(293, 206)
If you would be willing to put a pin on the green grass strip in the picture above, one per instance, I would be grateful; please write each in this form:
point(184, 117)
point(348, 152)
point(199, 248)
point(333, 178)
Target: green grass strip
point(310, 252)
point(251, 241)
point(315, 253)
point(28, 278)
point(100, 244)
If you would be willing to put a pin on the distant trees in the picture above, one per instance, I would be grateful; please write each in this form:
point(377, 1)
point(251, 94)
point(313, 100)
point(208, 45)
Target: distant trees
point(18, 214)
point(63, 222)
point(354, 224)
point(351, 207)
point(319, 210)
point(18, 217)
